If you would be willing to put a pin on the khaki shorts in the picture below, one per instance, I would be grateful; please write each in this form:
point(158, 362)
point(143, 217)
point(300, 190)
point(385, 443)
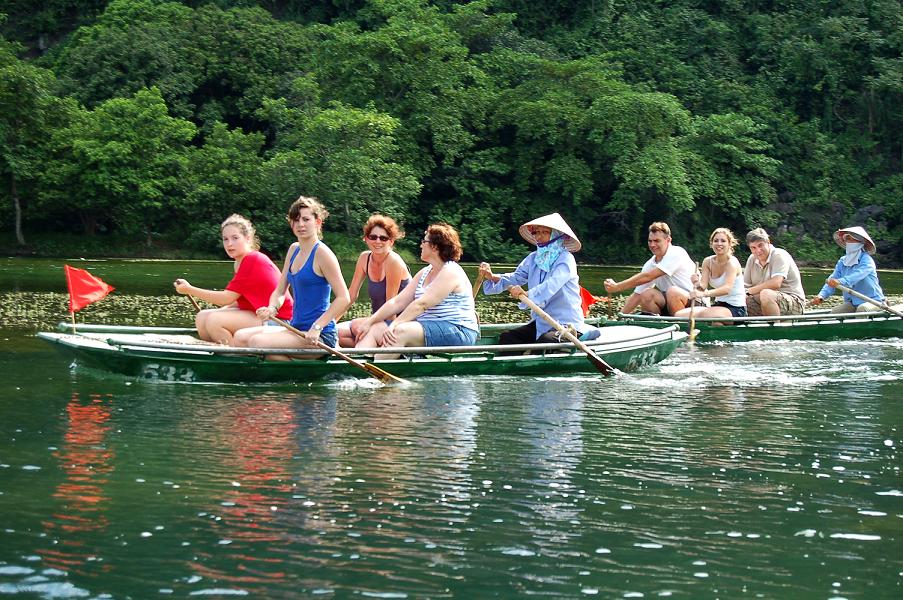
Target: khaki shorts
point(788, 303)
point(847, 307)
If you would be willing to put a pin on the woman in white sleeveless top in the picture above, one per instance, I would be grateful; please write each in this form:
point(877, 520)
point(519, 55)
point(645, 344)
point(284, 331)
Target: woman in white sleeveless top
point(724, 275)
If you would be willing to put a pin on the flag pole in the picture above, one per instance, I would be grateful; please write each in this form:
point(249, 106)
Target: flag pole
point(72, 312)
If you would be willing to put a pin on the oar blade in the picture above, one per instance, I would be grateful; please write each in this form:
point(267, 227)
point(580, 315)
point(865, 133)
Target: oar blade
point(383, 375)
point(601, 366)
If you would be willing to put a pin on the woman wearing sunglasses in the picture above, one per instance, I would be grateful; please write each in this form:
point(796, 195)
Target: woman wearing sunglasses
point(550, 273)
point(437, 309)
point(384, 270)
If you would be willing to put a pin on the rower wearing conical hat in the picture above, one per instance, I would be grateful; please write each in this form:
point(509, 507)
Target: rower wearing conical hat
point(855, 270)
point(550, 274)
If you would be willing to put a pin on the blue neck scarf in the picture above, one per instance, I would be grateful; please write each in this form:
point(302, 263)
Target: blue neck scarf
point(548, 253)
point(854, 249)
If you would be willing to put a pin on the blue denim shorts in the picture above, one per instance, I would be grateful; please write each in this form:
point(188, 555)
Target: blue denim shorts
point(444, 333)
point(330, 338)
point(736, 311)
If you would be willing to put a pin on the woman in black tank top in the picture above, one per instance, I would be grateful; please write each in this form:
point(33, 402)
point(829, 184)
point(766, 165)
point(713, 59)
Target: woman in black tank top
point(380, 266)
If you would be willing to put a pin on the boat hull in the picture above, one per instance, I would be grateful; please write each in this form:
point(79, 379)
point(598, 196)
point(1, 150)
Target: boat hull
point(197, 364)
point(817, 326)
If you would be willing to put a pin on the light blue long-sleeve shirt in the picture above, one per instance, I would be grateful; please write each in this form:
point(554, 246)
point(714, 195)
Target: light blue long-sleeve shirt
point(557, 291)
point(861, 277)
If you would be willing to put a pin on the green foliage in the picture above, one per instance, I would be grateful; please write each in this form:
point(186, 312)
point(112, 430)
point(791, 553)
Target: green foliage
point(344, 156)
point(123, 160)
point(159, 118)
point(408, 62)
point(28, 110)
point(222, 177)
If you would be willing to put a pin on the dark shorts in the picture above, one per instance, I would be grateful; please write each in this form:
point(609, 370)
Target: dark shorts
point(737, 311)
point(698, 303)
point(444, 333)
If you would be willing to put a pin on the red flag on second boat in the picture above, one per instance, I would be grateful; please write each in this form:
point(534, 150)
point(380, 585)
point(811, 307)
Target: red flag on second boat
point(84, 288)
point(586, 300)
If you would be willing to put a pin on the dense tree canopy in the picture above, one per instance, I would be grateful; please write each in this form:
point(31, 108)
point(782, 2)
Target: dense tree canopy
point(158, 118)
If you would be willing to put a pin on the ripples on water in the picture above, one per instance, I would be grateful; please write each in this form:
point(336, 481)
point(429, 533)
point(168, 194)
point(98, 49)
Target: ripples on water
point(749, 470)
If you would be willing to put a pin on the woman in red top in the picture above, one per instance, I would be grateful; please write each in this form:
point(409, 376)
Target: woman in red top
point(255, 279)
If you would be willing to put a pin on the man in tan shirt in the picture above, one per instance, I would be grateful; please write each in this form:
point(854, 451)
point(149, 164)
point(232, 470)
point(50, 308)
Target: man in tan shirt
point(772, 279)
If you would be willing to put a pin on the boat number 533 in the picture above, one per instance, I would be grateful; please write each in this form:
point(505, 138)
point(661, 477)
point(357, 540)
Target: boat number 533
point(157, 372)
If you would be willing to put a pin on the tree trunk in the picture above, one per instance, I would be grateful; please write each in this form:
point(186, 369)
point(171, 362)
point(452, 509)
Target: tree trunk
point(349, 229)
point(89, 223)
point(17, 204)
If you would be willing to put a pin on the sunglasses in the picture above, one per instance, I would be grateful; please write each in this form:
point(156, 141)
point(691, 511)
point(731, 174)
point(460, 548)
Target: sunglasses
point(373, 237)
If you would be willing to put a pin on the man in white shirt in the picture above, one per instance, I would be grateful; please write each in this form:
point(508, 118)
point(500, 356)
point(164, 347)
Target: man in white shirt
point(663, 286)
point(772, 279)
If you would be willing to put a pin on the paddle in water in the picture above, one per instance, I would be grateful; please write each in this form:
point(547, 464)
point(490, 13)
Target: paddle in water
point(374, 371)
point(601, 366)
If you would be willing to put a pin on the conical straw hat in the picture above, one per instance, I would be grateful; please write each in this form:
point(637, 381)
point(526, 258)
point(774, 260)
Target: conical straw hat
point(557, 223)
point(858, 233)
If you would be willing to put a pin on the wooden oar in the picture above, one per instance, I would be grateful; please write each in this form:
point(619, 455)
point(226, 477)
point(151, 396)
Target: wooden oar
point(693, 332)
point(601, 366)
point(477, 285)
point(197, 307)
point(381, 374)
point(882, 305)
point(692, 337)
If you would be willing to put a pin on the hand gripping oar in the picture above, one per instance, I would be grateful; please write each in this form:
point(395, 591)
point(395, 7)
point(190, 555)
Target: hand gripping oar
point(882, 305)
point(381, 374)
point(602, 366)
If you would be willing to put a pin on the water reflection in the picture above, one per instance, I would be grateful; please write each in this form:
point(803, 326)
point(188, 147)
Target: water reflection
point(83, 501)
point(258, 445)
point(723, 472)
point(401, 486)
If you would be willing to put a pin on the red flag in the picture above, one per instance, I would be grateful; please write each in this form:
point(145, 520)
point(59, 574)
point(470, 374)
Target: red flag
point(586, 300)
point(84, 288)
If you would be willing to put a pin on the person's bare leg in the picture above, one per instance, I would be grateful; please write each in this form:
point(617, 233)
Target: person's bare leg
point(768, 301)
point(676, 299)
point(222, 324)
point(375, 333)
point(278, 339)
point(652, 301)
point(406, 334)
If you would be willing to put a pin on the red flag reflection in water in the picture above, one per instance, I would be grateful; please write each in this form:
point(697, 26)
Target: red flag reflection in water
point(86, 461)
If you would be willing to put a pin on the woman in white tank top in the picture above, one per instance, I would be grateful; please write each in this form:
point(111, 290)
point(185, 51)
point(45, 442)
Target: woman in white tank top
point(723, 273)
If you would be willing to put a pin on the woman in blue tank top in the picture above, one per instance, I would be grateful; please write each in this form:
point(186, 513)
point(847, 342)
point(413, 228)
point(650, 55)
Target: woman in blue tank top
point(313, 272)
point(437, 309)
point(381, 267)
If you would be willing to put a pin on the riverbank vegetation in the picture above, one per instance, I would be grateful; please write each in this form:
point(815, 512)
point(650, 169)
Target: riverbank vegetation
point(150, 121)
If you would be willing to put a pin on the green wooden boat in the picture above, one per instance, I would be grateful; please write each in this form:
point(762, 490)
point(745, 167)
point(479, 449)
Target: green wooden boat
point(814, 325)
point(173, 354)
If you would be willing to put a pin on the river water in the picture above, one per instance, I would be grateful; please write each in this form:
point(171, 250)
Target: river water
point(748, 470)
